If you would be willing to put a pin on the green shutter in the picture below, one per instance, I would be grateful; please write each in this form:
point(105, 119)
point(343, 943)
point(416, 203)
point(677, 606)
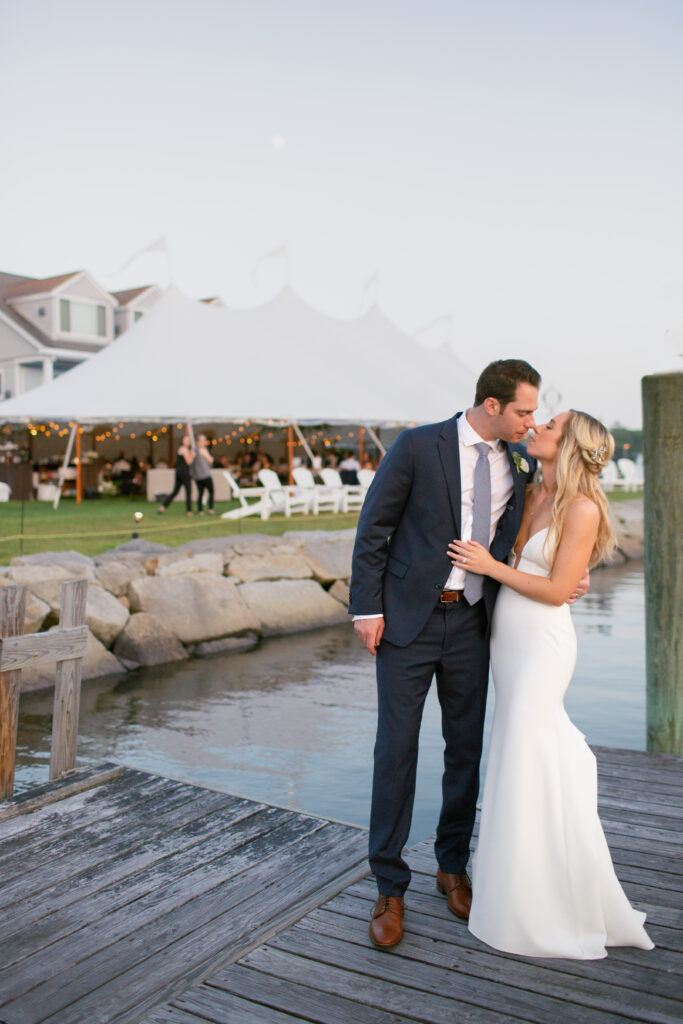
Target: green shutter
point(64, 315)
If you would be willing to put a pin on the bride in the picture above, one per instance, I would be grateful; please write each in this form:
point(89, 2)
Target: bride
point(543, 880)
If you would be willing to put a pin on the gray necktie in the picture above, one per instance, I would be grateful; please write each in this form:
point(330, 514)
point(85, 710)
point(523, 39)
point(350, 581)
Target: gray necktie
point(481, 518)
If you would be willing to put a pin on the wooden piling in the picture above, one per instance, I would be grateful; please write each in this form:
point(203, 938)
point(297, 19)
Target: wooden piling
point(67, 684)
point(12, 612)
point(663, 498)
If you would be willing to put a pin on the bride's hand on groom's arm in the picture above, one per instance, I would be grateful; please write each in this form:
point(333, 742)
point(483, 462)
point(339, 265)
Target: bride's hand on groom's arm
point(582, 588)
point(471, 556)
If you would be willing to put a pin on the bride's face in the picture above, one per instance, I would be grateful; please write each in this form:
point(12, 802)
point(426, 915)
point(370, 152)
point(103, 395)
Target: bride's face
point(546, 437)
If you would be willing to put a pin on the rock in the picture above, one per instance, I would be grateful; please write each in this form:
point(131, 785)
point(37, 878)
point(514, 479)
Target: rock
point(145, 640)
point(283, 562)
point(137, 546)
point(340, 592)
point(67, 559)
point(115, 576)
point(37, 612)
point(256, 544)
point(175, 563)
point(104, 614)
point(195, 606)
point(328, 552)
point(124, 601)
point(36, 574)
point(98, 661)
point(224, 546)
point(286, 606)
point(225, 645)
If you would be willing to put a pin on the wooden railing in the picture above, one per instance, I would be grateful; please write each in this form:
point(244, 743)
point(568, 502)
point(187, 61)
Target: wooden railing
point(65, 646)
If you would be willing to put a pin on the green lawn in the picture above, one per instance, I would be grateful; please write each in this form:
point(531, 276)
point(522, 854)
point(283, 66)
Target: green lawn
point(97, 525)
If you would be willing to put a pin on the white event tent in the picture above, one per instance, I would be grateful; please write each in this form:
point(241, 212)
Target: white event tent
point(283, 361)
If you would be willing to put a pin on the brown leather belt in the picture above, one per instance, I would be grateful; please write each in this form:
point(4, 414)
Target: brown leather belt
point(451, 595)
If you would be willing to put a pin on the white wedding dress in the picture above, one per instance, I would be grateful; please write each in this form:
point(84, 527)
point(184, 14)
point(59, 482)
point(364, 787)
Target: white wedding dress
point(543, 881)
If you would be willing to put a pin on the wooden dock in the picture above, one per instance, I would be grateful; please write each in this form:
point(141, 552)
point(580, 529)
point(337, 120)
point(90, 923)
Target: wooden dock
point(120, 889)
point(131, 898)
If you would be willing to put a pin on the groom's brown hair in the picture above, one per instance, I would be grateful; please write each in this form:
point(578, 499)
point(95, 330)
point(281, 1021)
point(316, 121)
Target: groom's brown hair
point(500, 379)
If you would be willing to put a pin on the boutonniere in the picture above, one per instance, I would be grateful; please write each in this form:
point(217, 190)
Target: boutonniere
point(520, 462)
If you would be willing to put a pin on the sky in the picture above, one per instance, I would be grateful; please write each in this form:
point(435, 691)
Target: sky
point(517, 165)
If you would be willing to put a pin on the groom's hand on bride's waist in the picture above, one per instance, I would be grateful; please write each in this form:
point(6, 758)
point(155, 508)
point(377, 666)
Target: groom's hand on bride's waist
point(370, 631)
point(581, 587)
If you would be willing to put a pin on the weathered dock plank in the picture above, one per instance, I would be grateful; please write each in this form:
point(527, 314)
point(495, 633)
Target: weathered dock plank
point(324, 969)
point(127, 888)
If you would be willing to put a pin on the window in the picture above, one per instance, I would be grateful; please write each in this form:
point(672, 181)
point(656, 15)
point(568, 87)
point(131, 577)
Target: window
point(82, 318)
point(136, 315)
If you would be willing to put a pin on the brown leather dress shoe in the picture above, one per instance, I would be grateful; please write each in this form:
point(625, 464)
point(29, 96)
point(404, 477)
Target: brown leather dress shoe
point(386, 926)
point(458, 888)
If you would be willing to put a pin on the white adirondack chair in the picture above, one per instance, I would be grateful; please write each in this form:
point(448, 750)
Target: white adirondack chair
point(322, 499)
point(282, 497)
point(352, 494)
point(365, 478)
point(262, 507)
point(629, 472)
point(610, 479)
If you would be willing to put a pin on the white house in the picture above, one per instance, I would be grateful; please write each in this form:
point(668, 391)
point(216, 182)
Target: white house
point(49, 325)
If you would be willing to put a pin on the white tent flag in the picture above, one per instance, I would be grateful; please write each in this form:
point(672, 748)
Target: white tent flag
point(281, 253)
point(161, 245)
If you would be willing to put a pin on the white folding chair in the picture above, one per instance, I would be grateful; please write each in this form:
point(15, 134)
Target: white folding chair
point(322, 499)
point(352, 494)
point(283, 498)
point(262, 507)
point(5, 491)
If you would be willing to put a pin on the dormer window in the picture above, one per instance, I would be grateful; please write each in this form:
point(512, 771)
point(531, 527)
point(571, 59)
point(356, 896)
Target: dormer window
point(82, 318)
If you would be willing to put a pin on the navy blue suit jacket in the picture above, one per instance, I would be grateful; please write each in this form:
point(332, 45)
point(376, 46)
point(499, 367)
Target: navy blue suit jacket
point(410, 515)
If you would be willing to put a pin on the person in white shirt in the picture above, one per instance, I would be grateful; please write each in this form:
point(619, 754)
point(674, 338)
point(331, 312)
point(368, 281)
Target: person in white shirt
point(423, 617)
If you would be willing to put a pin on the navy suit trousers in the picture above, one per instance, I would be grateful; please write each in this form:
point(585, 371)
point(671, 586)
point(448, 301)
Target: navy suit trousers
point(453, 646)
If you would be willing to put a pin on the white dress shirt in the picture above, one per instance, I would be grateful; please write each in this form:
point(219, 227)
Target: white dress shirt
point(501, 488)
point(501, 491)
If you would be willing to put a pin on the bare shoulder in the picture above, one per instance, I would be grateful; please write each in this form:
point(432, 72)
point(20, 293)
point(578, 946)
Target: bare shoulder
point(582, 513)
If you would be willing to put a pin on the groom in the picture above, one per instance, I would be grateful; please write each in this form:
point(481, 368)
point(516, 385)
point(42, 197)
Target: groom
point(466, 478)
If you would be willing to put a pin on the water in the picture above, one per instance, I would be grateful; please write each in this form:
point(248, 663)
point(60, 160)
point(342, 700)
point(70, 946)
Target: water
point(292, 722)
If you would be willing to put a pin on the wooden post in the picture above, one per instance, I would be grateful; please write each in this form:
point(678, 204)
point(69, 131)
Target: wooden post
point(79, 466)
point(361, 431)
point(663, 498)
point(67, 684)
point(290, 452)
point(171, 448)
point(12, 611)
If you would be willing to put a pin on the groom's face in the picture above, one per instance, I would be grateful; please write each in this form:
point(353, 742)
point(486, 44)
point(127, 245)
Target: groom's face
point(517, 418)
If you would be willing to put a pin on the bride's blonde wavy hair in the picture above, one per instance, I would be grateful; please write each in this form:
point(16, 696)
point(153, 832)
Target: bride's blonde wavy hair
point(584, 450)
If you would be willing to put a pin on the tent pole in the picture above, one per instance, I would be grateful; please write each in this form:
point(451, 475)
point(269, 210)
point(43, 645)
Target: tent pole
point(290, 452)
point(306, 446)
point(375, 439)
point(65, 463)
point(171, 449)
point(79, 467)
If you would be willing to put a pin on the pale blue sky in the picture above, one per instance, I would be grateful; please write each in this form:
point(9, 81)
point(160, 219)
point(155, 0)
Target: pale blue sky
point(517, 164)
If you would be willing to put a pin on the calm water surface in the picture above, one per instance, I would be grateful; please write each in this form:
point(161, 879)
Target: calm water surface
point(292, 722)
